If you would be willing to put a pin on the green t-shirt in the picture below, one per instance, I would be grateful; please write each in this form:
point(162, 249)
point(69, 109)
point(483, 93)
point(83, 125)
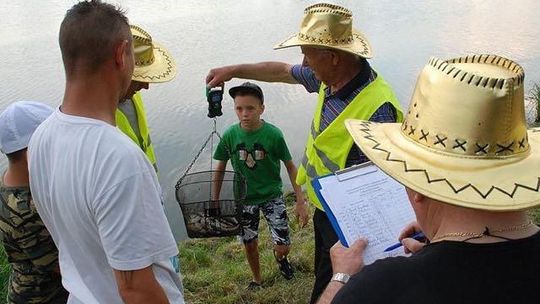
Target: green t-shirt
point(256, 155)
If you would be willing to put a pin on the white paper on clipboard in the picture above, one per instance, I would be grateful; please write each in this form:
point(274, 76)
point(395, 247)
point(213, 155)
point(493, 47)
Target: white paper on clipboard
point(362, 201)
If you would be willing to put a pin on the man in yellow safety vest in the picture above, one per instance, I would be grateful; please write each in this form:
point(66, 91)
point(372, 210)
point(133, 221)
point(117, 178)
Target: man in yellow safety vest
point(335, 66)
point(153, 64)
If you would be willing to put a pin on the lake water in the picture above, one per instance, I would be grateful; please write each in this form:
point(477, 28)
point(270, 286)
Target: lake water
point(203, 34)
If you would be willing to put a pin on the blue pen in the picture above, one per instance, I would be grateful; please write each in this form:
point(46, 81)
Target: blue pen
point(417, 236)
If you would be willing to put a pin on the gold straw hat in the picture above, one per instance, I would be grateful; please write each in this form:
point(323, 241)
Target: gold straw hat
point(330, 26)
point(153, 63)
point(464, 140)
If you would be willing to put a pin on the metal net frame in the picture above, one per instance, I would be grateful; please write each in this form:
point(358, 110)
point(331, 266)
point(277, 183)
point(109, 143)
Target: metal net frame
point(211, 201)
point(206, 215)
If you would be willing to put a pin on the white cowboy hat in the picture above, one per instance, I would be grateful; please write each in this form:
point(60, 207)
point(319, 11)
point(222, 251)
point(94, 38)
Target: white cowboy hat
point(464, 140)
point(329, 26)
point(153, 63)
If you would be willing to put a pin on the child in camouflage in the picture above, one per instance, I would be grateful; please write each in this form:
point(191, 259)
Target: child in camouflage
point(35, 275)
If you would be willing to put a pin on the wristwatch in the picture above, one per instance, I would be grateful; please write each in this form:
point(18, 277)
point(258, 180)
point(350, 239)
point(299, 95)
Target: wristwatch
point(341, 277)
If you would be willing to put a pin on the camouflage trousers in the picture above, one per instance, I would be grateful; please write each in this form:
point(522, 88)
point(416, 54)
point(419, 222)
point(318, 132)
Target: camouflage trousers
point(276, 216)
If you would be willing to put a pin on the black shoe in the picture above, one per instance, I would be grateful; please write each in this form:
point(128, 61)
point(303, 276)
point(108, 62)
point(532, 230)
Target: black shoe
point(254, 286)
point(285, 268)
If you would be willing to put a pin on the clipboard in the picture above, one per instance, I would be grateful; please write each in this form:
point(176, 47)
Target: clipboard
point(362, 201)
point(342, 175)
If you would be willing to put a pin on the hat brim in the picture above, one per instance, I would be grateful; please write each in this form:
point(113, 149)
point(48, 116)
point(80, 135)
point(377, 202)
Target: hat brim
point(360, 46)
point(163, 68)
point(501, 184)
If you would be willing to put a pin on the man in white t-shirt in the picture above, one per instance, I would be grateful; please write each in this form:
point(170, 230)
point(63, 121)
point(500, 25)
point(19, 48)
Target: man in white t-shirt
point(93, 187)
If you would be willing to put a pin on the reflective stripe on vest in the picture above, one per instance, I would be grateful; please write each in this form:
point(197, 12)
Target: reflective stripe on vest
point(122, 122)
point(314, 133)
point(327, 151)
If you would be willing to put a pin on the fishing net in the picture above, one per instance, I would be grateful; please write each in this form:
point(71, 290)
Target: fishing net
point(207, 214)
point(211, 201)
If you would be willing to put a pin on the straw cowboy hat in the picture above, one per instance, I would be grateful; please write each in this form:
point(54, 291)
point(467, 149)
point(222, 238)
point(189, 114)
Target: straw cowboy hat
point(153, 63)
point(329, 26)
point(464, 140)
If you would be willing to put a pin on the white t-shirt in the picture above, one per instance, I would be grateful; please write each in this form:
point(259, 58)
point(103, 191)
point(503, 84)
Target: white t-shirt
point(100, 199)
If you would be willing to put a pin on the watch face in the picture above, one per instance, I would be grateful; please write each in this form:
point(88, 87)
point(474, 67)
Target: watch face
point(341, 277)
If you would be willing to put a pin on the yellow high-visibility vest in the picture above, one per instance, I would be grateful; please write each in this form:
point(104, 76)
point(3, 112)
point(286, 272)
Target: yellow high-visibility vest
point(122, 123)
point(326, 152)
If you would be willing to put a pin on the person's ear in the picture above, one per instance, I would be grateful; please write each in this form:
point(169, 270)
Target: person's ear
point(121, 54)
point(415, 197)
point(335, 57)
point(305, 61)
point(419, 198)
point(262, 108)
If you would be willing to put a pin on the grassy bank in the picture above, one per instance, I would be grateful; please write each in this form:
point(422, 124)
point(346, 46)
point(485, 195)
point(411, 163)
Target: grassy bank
point(535, 95)
point(216, 270)
point(4, 274)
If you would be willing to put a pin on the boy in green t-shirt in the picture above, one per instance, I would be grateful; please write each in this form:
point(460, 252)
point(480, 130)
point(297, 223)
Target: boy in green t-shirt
point(256, 149)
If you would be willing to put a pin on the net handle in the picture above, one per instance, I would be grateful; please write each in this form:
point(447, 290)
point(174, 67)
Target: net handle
point(210, 139)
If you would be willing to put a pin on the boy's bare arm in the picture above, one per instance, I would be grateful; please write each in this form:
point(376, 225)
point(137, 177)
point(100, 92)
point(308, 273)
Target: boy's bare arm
point(300, 208)
point(217, 179)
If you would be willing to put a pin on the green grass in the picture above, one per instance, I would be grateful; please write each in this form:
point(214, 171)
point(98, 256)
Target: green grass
point(535, 215)
point(535, 95)
point(216, 270)
point(4, 273)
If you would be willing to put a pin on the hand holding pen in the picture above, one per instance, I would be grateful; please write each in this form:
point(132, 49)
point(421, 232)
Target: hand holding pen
point(418, 237)
point(411, 245)
point(411, 238)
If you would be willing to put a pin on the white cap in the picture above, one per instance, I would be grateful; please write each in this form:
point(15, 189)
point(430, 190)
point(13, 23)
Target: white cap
point(18, 122)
